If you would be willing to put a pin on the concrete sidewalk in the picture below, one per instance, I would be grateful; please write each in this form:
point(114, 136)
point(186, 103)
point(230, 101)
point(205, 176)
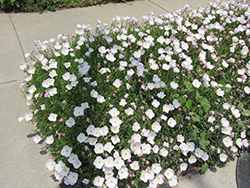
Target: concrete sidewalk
point(22, 161)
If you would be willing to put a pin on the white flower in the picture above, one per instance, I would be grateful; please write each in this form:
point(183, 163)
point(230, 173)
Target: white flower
point(109, 162)
point(115, 121)
point(165, 66)
point(59, 167)
point(174, 85)
point(176, 103)
point(223, 157)
point(117, 83)
point(108, 147)
point(72, 178)
point(49, 140)
point(100, 99)
point(163, 152)
point(114, 112)
point(111, 182)
point(245, 143)
point(37, 139)
point(192, 159)
point(98, 162)
point(118, 163)
point(247, 90)
point(171, 122)
point(122, 102)
point(66, 151)
point(129, 111)
point(161, 95)
point(135, 165)
point(92, 141)
point(98, 181)
point(226, 106)
point(169, 173)
point(220, 92)
point(155, 149)
point(90, 130)
point(183, 167)
point(146, 148)
point(70, 122)
point(144, 176)
point(81, 138)
point(180, 138)
point(196, 83)
point(156, 168)
point(190, 146)
point(228, 142)
point(78, 111)
point(123, 173)
point(115, 129)
point(52, 117)
point(93, 93)
point(77, 164)
point(226, 130)
point(173, 181)
point(150, 113)
point(211, 119)
point(156, 127)
point(198, 152)
point(126, 154)
point(239, 142)
point(50, 164)
point(136, 126)
point(236, 113)
point(104, 131)
point(72, 158)
point(32, 89)
point(155, 103)
point(115, 139)
point(98, 148)
point(65, 171)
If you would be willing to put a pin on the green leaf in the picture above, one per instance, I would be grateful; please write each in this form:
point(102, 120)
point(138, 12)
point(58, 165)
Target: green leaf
point(204, 144)
point(240, 106)
point(197, 118)
point(204, 167)
point(188, 85)
point(205, 104)
point(189, 104)
point(182, 100)
point(197, 95)
point(200, 111)
point(202, 135)
point(174, 95)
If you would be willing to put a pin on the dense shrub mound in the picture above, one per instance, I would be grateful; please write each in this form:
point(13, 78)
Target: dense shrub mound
point(138, 104)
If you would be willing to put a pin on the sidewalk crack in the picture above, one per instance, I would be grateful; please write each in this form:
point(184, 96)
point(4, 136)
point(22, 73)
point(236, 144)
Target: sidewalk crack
point(18, 38)
point(158, 5)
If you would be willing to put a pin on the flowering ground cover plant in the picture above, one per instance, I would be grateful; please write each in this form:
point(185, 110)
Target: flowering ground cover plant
point(138, 104)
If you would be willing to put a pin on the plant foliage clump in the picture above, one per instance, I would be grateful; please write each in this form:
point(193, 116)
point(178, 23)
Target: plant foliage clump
point(137, 104)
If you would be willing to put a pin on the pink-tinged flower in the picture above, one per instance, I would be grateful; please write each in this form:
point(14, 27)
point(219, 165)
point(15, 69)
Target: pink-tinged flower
point(173, 181)
point(78, 111)
point(70, 122)
point(66, 151)
point(37, 139)
point(98, 181)
point(192, 159)
point(111, 182)
point(174, 85)
point(85, 181)
point(169, 173)
point(156, 168)
point(196, 83)
point(50, 164)
point(223, 157)
point(183, 167)
point(171, 122)
point(150, 113)
point(228, 142)
point(98, 162)
point(126, 154)
point(49, 140)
